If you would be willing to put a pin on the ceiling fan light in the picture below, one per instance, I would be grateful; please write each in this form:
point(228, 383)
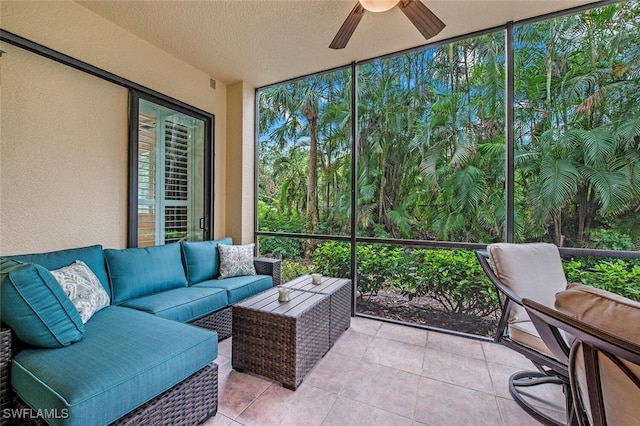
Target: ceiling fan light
point(378, 5)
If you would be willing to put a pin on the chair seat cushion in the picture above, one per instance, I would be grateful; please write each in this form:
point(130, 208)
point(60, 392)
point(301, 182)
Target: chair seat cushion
point(525, 333)
point(239, 288)
point(181, 304)
point(126, 358)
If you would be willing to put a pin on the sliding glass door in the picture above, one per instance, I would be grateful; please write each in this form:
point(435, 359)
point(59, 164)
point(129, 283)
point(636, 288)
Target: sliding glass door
point(173, 182)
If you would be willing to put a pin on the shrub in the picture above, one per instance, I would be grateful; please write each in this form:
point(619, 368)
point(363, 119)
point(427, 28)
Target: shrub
point(453, 278)
point(332, 259)
point(607, 239)
point(292, 268)
point(377, 263)
point(617, 276)
point(272, 220)
point(284, 248)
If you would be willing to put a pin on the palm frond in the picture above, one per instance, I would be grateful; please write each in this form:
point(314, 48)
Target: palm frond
point(612, 188)
point(629, 132)
point(429, 164)
point(559, 180)
point(469, 186)
point(400, 218)
point(463, 153)
point(598, 145)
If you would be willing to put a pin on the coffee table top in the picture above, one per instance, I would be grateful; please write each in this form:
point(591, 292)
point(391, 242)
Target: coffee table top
point(328, 285)
point(267, 301)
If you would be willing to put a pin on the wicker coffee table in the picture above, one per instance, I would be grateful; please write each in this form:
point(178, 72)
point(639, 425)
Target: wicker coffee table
point(280, 340)
point(339, 292)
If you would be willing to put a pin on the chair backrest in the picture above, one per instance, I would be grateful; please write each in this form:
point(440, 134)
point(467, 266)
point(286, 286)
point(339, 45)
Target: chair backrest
point(530, 270)
point(604, 363)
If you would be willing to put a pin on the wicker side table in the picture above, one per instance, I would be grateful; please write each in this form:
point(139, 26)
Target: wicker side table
point(339, 292)
point(280, 340)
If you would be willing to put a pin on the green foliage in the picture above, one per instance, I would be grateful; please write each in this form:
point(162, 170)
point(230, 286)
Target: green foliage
point(333, 259)
point(453, 278)
point(610, 240)
point(378, 264)
point(292, 268)
point(272, 220)
point(284, 248)
point(431, 156)
point(172, 235)
point(431, 146)
point(617, 276)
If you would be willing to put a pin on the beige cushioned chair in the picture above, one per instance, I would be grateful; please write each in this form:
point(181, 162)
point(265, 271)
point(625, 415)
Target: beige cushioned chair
point(532, 271)
point(604, 362)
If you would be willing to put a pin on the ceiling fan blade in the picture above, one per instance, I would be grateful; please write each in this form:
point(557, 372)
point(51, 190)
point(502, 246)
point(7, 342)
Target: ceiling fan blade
point(348, 27)
point(424, 20)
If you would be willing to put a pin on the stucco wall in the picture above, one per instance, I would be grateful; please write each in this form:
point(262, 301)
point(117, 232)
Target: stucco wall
point(63, 133)
point(240, 153)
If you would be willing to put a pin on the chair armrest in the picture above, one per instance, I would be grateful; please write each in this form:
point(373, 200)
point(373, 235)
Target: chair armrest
point(483, 259)
point(268, 266)
point(550, 318)
point(548, 323)
point(506, 297)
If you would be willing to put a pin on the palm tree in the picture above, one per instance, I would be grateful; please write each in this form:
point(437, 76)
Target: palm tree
point(576, 162)
point(292, 116)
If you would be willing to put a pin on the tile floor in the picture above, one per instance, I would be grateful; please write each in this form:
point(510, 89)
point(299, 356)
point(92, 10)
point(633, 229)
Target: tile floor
point(379, 373)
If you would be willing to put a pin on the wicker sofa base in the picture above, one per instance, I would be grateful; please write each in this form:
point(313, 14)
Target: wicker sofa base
point(190, 402)
point(219, 321)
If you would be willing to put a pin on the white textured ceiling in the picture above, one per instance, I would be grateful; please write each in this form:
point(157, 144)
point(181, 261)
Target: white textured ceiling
point(264, 41)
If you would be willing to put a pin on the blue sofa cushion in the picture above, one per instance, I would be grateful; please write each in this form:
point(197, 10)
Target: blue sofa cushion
point(201, 259)
point(239, 288)
point(126, 358)
point(36, 307)
point(92, 256)
point(136, 272)
point(181, 304)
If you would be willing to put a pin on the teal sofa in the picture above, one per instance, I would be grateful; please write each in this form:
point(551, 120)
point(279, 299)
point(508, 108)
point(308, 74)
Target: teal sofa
point(146, 358)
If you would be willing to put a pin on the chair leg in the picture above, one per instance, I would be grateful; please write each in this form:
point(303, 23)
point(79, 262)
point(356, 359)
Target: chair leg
point(533, 378)
point(572, 415)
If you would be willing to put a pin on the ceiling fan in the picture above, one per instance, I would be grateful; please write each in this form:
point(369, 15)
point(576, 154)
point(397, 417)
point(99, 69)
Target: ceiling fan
point(424, 20)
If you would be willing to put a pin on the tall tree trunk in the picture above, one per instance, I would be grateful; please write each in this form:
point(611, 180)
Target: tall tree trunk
point(557, 224)
point(582, 213)
point(312, 188)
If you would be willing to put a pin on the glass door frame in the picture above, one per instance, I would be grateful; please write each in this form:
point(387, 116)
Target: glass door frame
point(209, 125)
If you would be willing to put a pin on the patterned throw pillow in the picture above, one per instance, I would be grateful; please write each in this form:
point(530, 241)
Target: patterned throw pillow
point(236, 261)
point(83, 288)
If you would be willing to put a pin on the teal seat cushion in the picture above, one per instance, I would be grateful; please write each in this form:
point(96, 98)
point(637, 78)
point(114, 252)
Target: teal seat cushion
point(92, 257)
point(181, 304)
point(136, 272)
point(239, 288)
point(36, 307)
point(201, 259)
point(126, 358)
